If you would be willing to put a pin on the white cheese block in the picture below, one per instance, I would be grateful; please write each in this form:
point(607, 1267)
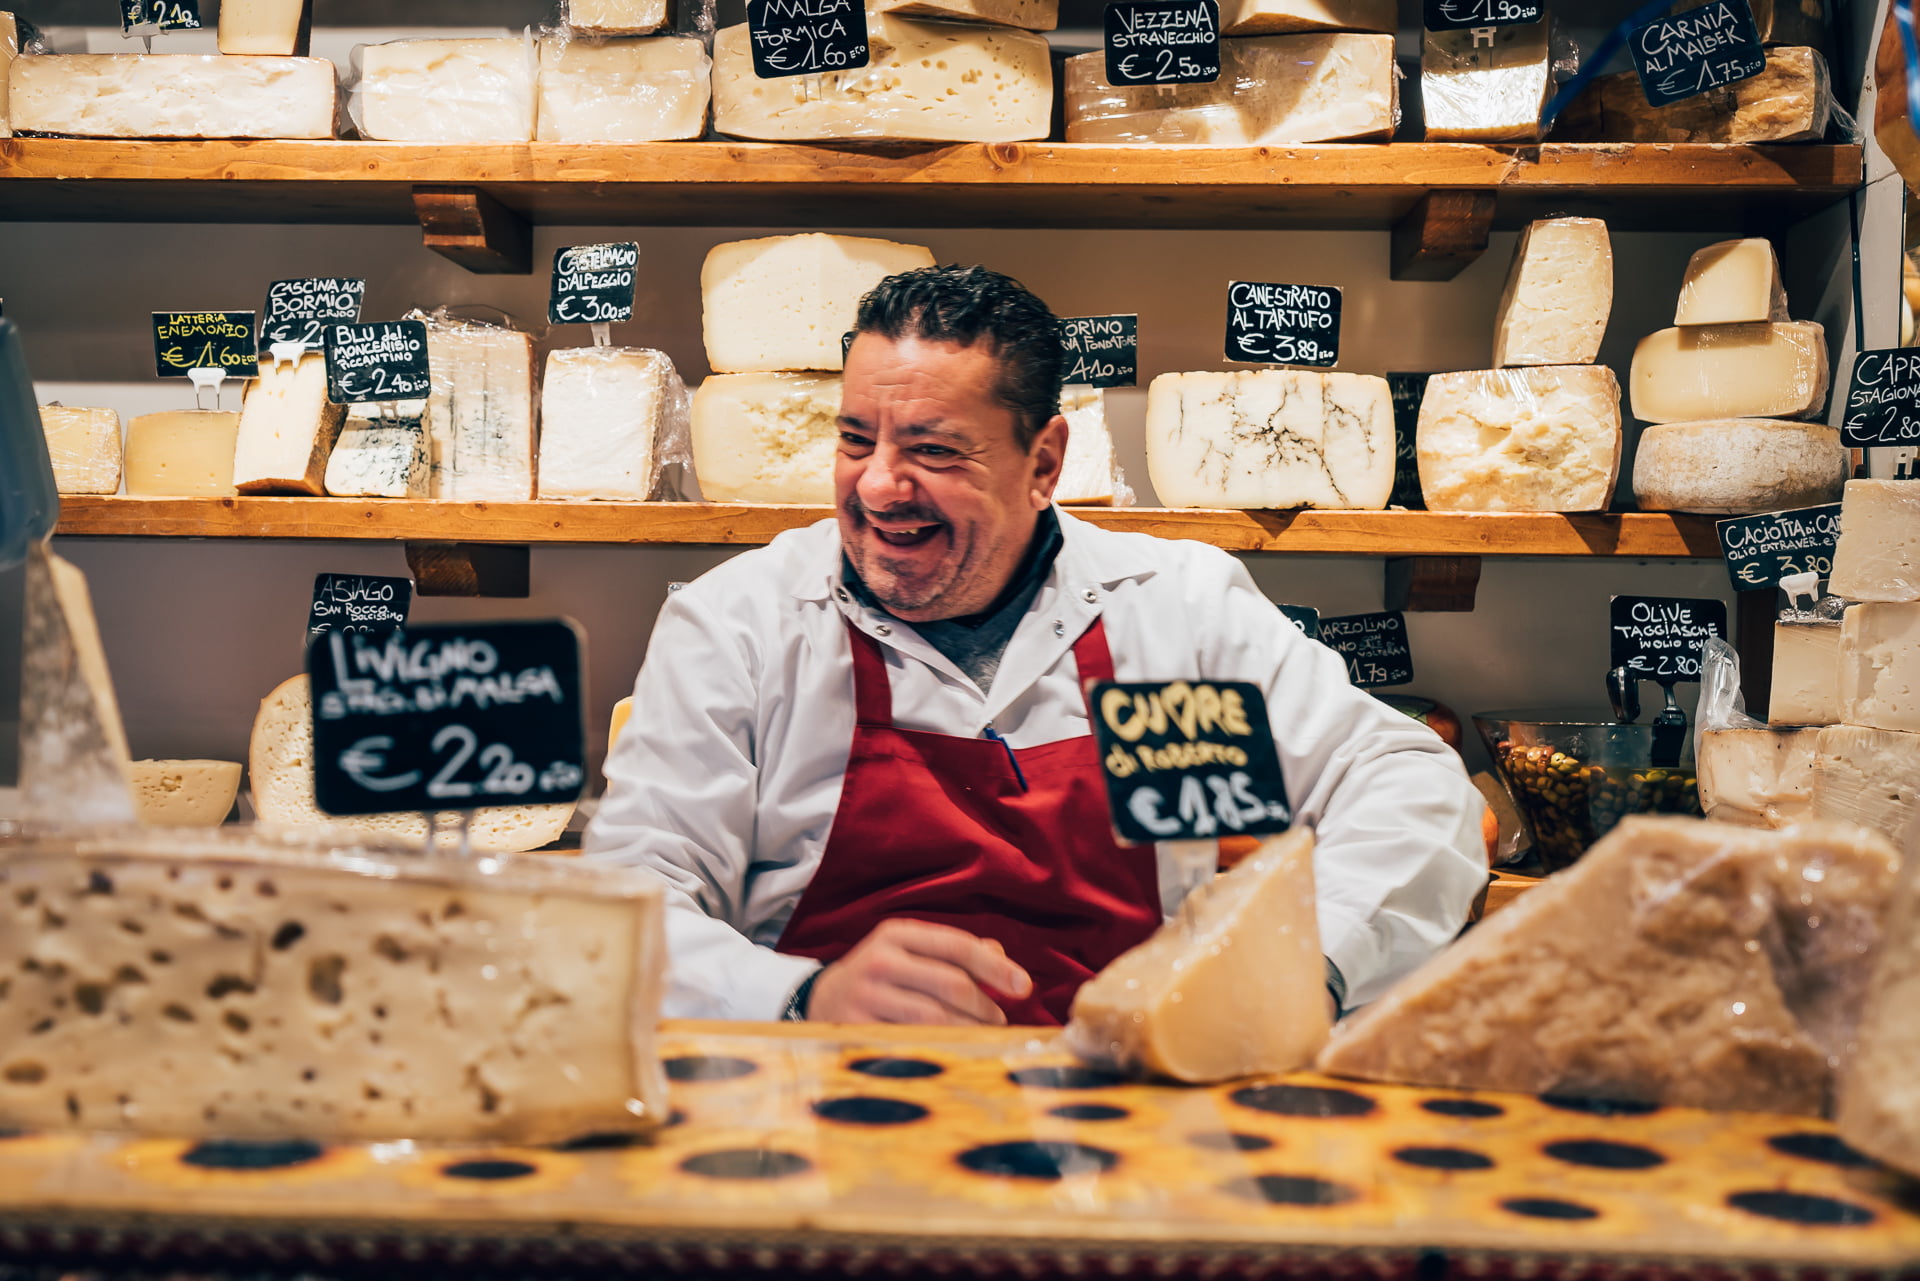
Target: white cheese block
point(616, 17)
point(1732, 283)
point(607, 412)
point(185, 793)
point(84, 445)
point(1678, 962)
point(1543, 438)
point(1879, 553)
point(172, 95)
point(927, 81)
point(1087, 474)
point(9, 50)
point(264, 26)
point(1738, 465)
point(1279, 17)
point(287, 429)
point(1790, 101)
point(280, 770)
point(1757, 777)
point(1270, 438)
point(1806, 674)
point(785, 302)
point(73, 749)
point(1558, 296)
point(227, 984)
point(1271, 90)
point(1879, 1106)
point(1870, 777)
point(1730, 371)
point(480, 411)
point(652, 90)
point(766, 438)
point(382, 452)
point(184, 453)
point(1232, 986)
point(1029, 15)
point(461, 90)
point(1486, 85)
point(1879, 665)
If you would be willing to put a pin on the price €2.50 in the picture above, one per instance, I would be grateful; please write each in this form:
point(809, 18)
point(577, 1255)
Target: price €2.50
point(1160, 67)
point(1228, 802)
point(501, 775)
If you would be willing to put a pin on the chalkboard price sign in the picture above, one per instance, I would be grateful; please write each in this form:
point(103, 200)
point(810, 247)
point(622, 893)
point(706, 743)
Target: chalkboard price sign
point(1689, 53)
point(298, 311)
point(167, 15)
point(386, 360)
point(451, 716)
point(592, 284)
point(1883, 399)
point(188, 340)
point(1374, 645)
point(1102, 351)
point(358, 603)
point(1283, 324)
point(1762, 550)
point(1163, 42)
point(1658, 638)
point(1305, 618)
point(806, 37)
point(1407, 390)
point(1188, 761)
point(1460, 15)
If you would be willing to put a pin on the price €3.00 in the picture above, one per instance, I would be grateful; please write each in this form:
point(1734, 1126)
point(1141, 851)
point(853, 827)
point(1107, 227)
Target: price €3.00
point(1227, 802)
point(588, 309)
point(501, 775)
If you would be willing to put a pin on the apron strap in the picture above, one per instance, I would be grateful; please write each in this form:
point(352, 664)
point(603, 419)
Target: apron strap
point(872, 691)
point(1091, 655)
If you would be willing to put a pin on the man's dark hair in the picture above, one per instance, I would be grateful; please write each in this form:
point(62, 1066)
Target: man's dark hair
point(964, 305)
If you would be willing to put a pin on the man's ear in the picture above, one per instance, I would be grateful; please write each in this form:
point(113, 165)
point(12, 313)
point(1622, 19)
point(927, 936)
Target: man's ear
point(1049, 458)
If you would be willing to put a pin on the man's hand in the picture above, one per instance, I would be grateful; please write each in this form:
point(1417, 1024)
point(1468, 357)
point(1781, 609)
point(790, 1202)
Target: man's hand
point(917, 972)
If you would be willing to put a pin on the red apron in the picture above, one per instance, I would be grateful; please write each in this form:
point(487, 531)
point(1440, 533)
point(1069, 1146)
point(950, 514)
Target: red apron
point(938, 828)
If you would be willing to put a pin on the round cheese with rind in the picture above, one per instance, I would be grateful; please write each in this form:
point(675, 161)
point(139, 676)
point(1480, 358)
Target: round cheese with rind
point(1738, 465)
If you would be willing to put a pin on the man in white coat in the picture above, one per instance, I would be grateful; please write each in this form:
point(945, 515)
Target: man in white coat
point(866, 773)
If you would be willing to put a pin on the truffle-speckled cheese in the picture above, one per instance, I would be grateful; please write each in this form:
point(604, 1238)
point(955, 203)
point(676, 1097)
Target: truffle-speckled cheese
point(1270, 438)
point(227, 984)
point(172, 95)
point(1879, 1108)
point(1880, 665)
point(1870, 777)
point(1030, 15)
point(927, 81)
point(605, 409)
point(382, 452)
point(1730, 371)
point(263, 26)
point(1543, 438)
point(471, 90)
point(1486, 86)
point(184, 793)
point(1806, 674)
point(1738, 465)
point(287, 429)
point(1679, 962)
point(785, 302)
point(480, 412)
point(1879, 553)
point(184, 453)
point(1558, 296)
point(616, 17)
point(1757, 777)
point(1087, 474)
point(766, 438)
point(1732, 283)
point(84, 445)
point(1232, 986)
point(1280, 17)
point(1791, 101)
point(652, 90)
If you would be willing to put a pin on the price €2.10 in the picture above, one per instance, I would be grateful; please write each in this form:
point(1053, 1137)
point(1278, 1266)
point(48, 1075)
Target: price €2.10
point(501, 776)
point(168, 15)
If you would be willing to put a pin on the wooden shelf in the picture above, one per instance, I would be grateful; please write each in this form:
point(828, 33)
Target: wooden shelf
point(1396, 533)
point(1041, 184)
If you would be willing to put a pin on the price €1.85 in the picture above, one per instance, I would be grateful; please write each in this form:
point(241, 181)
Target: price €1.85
point(502, 777)
point(1205, 805)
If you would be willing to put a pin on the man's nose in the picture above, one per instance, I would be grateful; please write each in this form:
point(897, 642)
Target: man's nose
point(883, 481)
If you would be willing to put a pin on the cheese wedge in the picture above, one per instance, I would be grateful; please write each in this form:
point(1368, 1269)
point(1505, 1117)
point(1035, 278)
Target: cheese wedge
point(1757, 777)
point(1879, 1111)
point(609, 411)
point(1559, 295)
point(653, 90)
point(616, 17)
point(185, 793)
point(1791, 101)
point(73, 748)
point(1486, 85)
point(382, 452)
point(1806, 674)
point(287, 429)
point(1870, 777)
point(1234, 985)
point(172, 95)
point(1087, 476)
point(766, 438)
point(461, 90)
point(84, 445)
point(1730, 371)
point(1738, 465)
point(265, 26)
point(1735, 282)
point(1279, 17)
point(480, 411)
point(1879, 664)
point(182, 454)
point(9, 50)
point(1878, 557)
point(1029, 15)
point(1543, 438)
point(785, 302)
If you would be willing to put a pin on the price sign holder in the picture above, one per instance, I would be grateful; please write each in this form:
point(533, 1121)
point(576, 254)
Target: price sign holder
point(806, 37)
point(1374, 645)
point(1269, 324)
point(360, 603)
point(1102, 351)
point(207, 347)
point(1465, 15)
point(385, 360)
point(1883, 400)
point(449, 716)
point(1305, 618)
point(137, 17)
point(297, 313)
point(593, 285)
point(1163, 42)
point(1762, 550)
point(1701, 49)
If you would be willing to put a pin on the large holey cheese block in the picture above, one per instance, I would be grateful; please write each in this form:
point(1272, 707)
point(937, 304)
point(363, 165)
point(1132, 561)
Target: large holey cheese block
point(264, 26)
point(184, 793)
point(1791, 101)
point(382, 452)
point(459, 90)
point(608, 413)
point(1879, 1111)
point(1232, 986)
point(615, 17)
point(1731, 466)
point(1486, 85)
point(1087, 473)
point(1542, 438)
point(651, 90)
point(1870, 777)
point(1272, 89)
point(480, 411)
point(1703, 372)
point(1731, 283)
point(84, 446)
point(1558, 295)
point(233, 984)
point(1878, 557)
point(1757, 777)
point(280, 773)
point(172, 95)
point(287, 429)
point(186, 453)
point(766, 438)
point(926, 81)
point(785, 302)
point(1880, 665)
point(1679, 962)
point(1806, 674)
point(1282, 17)
point(1271, 438)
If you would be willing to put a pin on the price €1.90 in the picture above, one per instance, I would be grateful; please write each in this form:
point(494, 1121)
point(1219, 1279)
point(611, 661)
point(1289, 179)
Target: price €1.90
point(502, 776)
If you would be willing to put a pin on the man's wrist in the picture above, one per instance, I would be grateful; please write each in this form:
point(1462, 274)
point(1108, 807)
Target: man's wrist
point(801, 998)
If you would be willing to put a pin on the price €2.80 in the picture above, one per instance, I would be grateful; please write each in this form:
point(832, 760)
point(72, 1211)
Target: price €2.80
point(502, 776)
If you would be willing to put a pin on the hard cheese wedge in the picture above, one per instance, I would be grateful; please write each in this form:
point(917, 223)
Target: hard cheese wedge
point(1738, 465)
point(784, 302)
point(1680, 962)
point(623, 90)
point(1234, 985)
point(1879, 664)
point(1732, 283)
point(473, 90)
point(1757, 777)
point(1279, 17)
point(382, 452)
point(480, 412)
point(172, 95)
point(84, 445)
point(1879, 1110)
point(766, 438)
point(1486, 86)
point(287, 429)
point(1030, 15)
point(1806, 674)
point(616, 17)
point(1870, 777)
point(1545, 438)
point(73, 749)
point(9, 50)
point(229, 984)
point(1791, 101)
point(1730, 371)
point(181, 454)
point(185, 793)
point(1879, 553)
point(1270, 438)
point(265, 26)
point(1087, 474)
point(1559, 294)
point(608, 411)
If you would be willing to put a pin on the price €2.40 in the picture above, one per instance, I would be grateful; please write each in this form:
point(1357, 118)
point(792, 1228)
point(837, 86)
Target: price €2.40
point(377, 383)
point(501, 776)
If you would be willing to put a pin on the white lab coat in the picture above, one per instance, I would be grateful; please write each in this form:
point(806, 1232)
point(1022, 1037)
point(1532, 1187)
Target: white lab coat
point(726, 779)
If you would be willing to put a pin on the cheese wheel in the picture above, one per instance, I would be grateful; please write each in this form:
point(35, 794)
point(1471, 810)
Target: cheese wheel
point(1738, 465)
point(184, 793)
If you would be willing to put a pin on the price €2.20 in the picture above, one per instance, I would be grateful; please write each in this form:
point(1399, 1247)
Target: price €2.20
point(1205, 805)
point(455, 745)
point(1162, 67)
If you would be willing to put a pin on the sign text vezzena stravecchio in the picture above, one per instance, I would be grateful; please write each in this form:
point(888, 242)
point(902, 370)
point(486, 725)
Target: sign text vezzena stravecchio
point(806, 37)
point(1163, 42)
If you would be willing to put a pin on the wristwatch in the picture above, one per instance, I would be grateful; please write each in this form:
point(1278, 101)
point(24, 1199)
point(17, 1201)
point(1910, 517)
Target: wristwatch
point(796, 1011)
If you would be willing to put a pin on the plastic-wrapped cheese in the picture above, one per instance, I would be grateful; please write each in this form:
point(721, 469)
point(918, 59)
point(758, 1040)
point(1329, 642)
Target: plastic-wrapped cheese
point(1559, 293)
point(172, 95)
point(382, 452)
point(613, 416)
point(184, 453)
point(766, 438)
point(1806, 674)
point(1879, 664)
point(1738, 465)
point(1730, 371)
point(926, 81)
point(1270, 438)
point(287, 428)
point(1271, 90)
point(1791, 101)
point(1087, 474)
point(84, 445)
point(785, 302)
point(1757, 777)
point(480, 412)
point(1029, 15)
point(1731, 283)
point(616, 17)
point(1543, 438)
point(1476, 87)
point(1282, 17)
point(1879, 553)
point(264, 26)
point(184, 793)
point(459, 90)
point(1879, 1107)
point(1870, 777)
point(651, 90)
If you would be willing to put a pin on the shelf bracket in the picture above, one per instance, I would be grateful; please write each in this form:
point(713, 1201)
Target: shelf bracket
point(475, 230)
point(1442, 235)
point(499, 570)
point(1432, 584)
